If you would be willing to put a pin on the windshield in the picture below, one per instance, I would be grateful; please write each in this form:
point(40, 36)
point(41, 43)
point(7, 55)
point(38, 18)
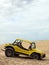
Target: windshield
point(16, 41)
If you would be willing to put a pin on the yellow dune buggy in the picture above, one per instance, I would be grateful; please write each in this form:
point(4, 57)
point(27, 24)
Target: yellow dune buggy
point(25, 47)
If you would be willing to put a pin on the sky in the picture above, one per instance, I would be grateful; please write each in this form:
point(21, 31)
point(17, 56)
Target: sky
point(26, 19)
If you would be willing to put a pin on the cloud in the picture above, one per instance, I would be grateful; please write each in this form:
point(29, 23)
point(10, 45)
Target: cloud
point(10, 7)
point(28, 19)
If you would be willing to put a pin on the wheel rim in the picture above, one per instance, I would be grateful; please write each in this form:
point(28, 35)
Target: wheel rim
point(36, 56)
point(9, 53)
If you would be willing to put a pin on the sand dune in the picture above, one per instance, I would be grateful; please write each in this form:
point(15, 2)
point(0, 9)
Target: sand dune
point(42, 45)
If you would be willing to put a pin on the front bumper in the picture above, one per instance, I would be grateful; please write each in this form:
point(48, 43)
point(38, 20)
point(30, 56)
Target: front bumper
point(43, 56)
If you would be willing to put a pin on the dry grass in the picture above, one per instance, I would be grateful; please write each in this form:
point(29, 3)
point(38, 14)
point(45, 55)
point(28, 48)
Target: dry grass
point(42, 45)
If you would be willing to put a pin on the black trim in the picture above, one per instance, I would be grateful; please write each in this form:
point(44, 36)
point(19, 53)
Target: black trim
point(21, 53)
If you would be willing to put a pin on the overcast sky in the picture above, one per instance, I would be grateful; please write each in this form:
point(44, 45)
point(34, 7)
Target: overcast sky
point(27, 19)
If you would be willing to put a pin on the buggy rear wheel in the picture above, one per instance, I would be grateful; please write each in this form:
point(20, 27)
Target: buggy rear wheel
point(9, 52)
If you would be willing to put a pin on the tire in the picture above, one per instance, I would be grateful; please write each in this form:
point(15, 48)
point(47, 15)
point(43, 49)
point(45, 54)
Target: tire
point(36, 56)
point(9, 52)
